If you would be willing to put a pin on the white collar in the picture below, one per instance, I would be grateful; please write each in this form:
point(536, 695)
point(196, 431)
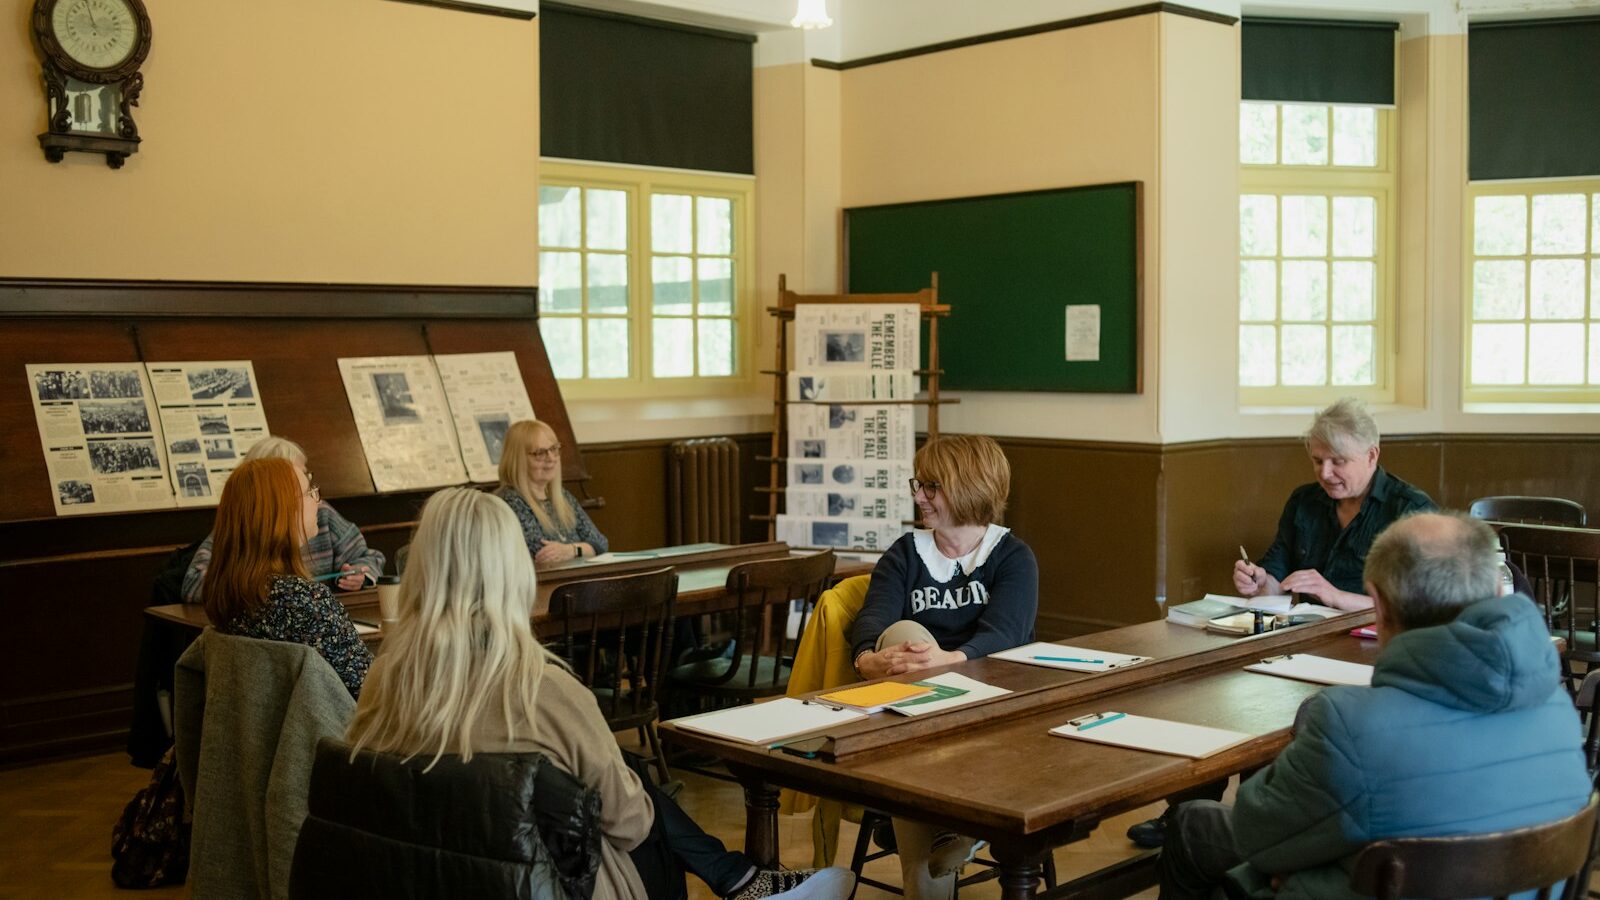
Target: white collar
point(942, 567)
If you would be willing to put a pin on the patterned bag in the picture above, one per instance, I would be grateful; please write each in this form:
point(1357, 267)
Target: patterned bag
point(150, 843)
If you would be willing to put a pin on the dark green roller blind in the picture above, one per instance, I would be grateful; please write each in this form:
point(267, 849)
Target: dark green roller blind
point(1534, 95)
point(627, 90)
point(1305, 61)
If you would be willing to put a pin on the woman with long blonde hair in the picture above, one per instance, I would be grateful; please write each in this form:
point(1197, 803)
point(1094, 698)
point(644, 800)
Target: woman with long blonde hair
point(462, 673)
point(554, 526)
point(256, 585)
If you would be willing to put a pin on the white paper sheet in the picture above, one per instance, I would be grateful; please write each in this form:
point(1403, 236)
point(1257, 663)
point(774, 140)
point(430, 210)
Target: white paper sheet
point(851, 474)
point(856, 337)
point(863, 431)
point(404, 422)
point(1154, 735)
point(894, 505)
point(486, 394)
point(1315, 669)
point(1060, 656)
point(859, 534)
point(975, 691)
point(898, 385)
point(101, 436)
point(210, 416)
point(761, 723)
point(1083, 332)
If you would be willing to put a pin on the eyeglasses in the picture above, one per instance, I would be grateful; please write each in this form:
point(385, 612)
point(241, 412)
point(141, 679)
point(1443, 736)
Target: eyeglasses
point(553, 452)
point(314, 492)
point(932, 487)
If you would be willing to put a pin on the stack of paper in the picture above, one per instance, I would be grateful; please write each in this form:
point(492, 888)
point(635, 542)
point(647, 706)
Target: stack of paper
point(872, 697)
point(949, 691)
point(1155, 735)
point(761, 723)
point(1315, 669)
point(1060, 656)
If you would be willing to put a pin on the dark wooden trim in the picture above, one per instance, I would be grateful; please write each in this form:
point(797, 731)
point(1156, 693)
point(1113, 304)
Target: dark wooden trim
point(829, 64)
point(71, 297)
point(1338, 23)
point(1524, 23)
point(645, 20)
point(1030, 30)
point(463, 6)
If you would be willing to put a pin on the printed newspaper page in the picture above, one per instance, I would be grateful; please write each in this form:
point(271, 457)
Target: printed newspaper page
point(856, 337)
point(211, 416)
point(895, 505)
point(404, 422)
point(101, 436)
point(486, 395)
point(850, 474)
point(861, 431)
point(852, 386)
point(841, 534)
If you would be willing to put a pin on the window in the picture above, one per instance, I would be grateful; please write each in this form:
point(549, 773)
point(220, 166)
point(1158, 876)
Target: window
point(1315, 231)
point(1533, 330)
point(644, 279)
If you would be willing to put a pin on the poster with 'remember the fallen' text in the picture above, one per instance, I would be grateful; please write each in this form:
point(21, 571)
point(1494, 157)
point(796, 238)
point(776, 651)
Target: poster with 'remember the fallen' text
point(210, 417)
point(101, 437)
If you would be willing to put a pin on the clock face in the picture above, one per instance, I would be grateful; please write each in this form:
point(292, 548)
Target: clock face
point(99, 34)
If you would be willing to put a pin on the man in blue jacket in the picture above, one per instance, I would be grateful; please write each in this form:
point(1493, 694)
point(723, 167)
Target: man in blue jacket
point(1465, 730)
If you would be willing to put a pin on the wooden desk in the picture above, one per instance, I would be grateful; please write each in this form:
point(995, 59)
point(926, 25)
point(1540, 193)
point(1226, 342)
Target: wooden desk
point(1034, 791)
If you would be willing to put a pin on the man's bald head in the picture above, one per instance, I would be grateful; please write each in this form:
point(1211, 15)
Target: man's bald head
point(1426, 567)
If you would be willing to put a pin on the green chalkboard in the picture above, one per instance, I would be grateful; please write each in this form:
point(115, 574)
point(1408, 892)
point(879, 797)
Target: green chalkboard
point(1009, 266)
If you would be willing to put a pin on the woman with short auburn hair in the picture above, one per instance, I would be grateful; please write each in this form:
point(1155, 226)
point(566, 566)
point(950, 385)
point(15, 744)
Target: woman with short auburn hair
point(554, 526)
point(256, 585)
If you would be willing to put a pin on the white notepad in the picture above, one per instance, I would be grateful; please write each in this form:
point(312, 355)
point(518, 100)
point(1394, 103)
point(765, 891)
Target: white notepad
point(1155, 735)
point(1060, 656)
point(761, 723)
point(975, 691)
point(1316, 669)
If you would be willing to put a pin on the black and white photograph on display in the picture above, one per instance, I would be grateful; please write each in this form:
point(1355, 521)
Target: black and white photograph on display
point(812, 449)
point(223, 383)
point(113, 383)
point(184, 445)
point(394, 398)
point(808, 474)
point(62, 385)
point(493, 427)
point(844, 473)
point(830, 534)
point(839, 416)
point(114, 417)
point(75, 492)
point(844, 346)
point(114, 457)
point(841, 505)
point(218, 448)
point(811, 387)
point(193, 480)
point(213, 423)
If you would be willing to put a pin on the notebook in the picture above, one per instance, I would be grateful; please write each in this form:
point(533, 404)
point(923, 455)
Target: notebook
point(1245, 622)
point(873, 697)
point(950, 690)
point(1316, 669)
point(761, 723)
point(1154, 735)
point(1060, 656)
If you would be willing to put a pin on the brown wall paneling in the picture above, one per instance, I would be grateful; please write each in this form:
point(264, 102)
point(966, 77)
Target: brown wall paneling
point(1538, 465)
point(632, 476)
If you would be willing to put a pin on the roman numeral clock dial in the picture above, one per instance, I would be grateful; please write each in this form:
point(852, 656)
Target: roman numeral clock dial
point(91, 52)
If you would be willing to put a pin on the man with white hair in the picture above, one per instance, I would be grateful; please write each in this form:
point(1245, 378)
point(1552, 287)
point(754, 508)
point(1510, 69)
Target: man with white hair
point(1466, 729)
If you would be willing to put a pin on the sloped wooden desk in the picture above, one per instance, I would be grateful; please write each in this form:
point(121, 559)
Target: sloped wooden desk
point(993, 770)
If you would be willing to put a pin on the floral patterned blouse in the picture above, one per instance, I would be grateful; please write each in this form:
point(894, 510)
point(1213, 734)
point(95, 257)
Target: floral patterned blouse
point(304, 612)
point(583, 530)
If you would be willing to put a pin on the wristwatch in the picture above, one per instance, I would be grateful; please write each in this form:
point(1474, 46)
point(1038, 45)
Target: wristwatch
point(578, 549)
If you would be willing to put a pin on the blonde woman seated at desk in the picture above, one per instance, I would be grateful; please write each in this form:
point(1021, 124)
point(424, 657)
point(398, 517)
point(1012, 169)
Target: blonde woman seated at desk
point(337, 545)
point(555, 528)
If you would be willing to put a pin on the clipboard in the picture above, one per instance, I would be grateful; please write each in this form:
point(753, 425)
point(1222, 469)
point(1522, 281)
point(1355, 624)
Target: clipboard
point(1152, 735)
point(1315, 669)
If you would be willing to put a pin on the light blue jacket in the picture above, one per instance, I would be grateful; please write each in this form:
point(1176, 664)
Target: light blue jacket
point(1466, 729)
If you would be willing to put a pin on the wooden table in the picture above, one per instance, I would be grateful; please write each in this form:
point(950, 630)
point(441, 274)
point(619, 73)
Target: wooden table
point(992, 770)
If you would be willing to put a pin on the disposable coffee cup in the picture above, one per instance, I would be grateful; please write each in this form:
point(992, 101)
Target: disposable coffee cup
point(389, 597)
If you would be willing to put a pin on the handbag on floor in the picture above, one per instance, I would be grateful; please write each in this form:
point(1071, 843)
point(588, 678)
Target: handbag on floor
point(150, 843)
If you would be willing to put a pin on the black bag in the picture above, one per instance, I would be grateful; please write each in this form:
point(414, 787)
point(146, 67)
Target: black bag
point(150, 843)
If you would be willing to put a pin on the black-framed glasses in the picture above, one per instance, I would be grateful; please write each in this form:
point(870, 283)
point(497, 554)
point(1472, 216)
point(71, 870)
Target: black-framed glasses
point(553, 452)
point(917, 487)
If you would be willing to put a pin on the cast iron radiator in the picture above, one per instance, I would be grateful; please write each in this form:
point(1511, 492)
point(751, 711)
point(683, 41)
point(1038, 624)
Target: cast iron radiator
point(703, 491)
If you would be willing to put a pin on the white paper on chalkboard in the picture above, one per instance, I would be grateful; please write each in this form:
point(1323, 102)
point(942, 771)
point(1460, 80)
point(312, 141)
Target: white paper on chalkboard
point(1083, 332)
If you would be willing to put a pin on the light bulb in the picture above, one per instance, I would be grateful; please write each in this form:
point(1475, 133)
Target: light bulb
point(811, 14)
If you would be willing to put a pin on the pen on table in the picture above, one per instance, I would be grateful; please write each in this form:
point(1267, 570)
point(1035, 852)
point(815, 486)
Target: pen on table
point(1101, 721)
point(1097, 662)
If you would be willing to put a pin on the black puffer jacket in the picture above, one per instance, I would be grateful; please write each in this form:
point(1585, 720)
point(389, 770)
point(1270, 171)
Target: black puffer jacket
point(505, 825)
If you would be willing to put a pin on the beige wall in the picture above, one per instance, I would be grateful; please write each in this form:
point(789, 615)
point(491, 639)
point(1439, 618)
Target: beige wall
point(292, 140)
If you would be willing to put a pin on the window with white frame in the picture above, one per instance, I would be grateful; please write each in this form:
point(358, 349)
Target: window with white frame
point(1534, 328)
point(643, 278)
point(1315, 264)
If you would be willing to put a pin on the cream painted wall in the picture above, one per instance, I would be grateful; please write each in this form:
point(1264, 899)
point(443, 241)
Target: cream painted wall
point(296, 140)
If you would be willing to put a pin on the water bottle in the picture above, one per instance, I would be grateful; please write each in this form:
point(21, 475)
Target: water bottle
point(1508, 583)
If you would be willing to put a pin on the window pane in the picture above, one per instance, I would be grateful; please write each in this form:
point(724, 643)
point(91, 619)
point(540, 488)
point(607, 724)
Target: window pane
point(716, 287)
point(608, 283)
point(1258, 133)
point(672, 286)
point(1354, 361)
point(671, 223)
point(716, 346)
point(564, 343)
point(608, 219)
point(1558, 225)
point(1258, 225)
point(1305, 135)
point(1594, 222)
point(1305, 292)
point(1497, 289)
point(1258, 355)
point(1355, 136)
point(1594, 354)
point(1354, 225)
point(1557, 289)
point(715, 224)
point(1305, 354)
point(1355, 291)
point(560, 282)
point(1555, 354)
point(672, 347)
point(1497, 354)
point(1258, 290)
point(608, 348)
point(1305, 226)
point(1499, 226)
point(558, 216)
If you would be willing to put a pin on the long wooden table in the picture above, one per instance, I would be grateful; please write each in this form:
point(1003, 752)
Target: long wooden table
point(992, 770)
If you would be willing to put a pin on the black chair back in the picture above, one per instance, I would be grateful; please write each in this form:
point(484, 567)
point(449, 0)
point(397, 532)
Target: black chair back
point(1563, 566)
point(1530, 510)
point(617, 633)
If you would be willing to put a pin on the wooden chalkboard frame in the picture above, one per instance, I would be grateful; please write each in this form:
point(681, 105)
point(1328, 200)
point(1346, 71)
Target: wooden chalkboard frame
point(1121, 367)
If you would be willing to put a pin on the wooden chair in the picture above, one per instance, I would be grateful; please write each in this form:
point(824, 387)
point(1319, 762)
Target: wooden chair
point(617, 634)
point(1487, 865)
point(1530, 510)
point(873, 821)
point(1562, 564)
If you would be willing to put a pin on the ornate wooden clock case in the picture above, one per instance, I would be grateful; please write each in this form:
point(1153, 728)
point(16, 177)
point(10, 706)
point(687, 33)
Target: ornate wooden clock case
point(91, 51)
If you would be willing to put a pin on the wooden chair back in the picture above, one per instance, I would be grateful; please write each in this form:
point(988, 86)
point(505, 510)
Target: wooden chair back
point(1588, 693)
point(762, 649)
point(1563, 566)
point(1539, 858)
point(1530, 510)
point(617, 633)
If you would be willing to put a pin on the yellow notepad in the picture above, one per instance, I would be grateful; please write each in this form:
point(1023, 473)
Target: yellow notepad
point(873, 697)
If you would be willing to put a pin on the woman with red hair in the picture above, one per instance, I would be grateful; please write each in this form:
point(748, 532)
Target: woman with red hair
point(257, 586)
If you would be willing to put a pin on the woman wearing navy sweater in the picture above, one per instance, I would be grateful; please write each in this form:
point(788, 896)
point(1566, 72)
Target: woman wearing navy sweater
point(962, 588)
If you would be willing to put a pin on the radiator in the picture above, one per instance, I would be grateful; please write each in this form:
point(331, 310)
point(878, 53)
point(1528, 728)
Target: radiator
point(703, 491)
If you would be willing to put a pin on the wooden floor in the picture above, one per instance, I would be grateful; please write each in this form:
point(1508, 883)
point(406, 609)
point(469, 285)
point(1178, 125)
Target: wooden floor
point(56, 818)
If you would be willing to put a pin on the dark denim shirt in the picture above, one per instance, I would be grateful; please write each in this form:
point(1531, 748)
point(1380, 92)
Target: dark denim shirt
point(1309, 536)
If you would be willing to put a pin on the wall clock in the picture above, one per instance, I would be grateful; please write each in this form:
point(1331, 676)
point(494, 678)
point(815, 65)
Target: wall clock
point(91, 51)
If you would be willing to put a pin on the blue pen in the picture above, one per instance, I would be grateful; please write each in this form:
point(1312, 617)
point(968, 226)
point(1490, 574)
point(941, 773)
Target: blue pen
point(1098, 722)
point(1097, 662)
